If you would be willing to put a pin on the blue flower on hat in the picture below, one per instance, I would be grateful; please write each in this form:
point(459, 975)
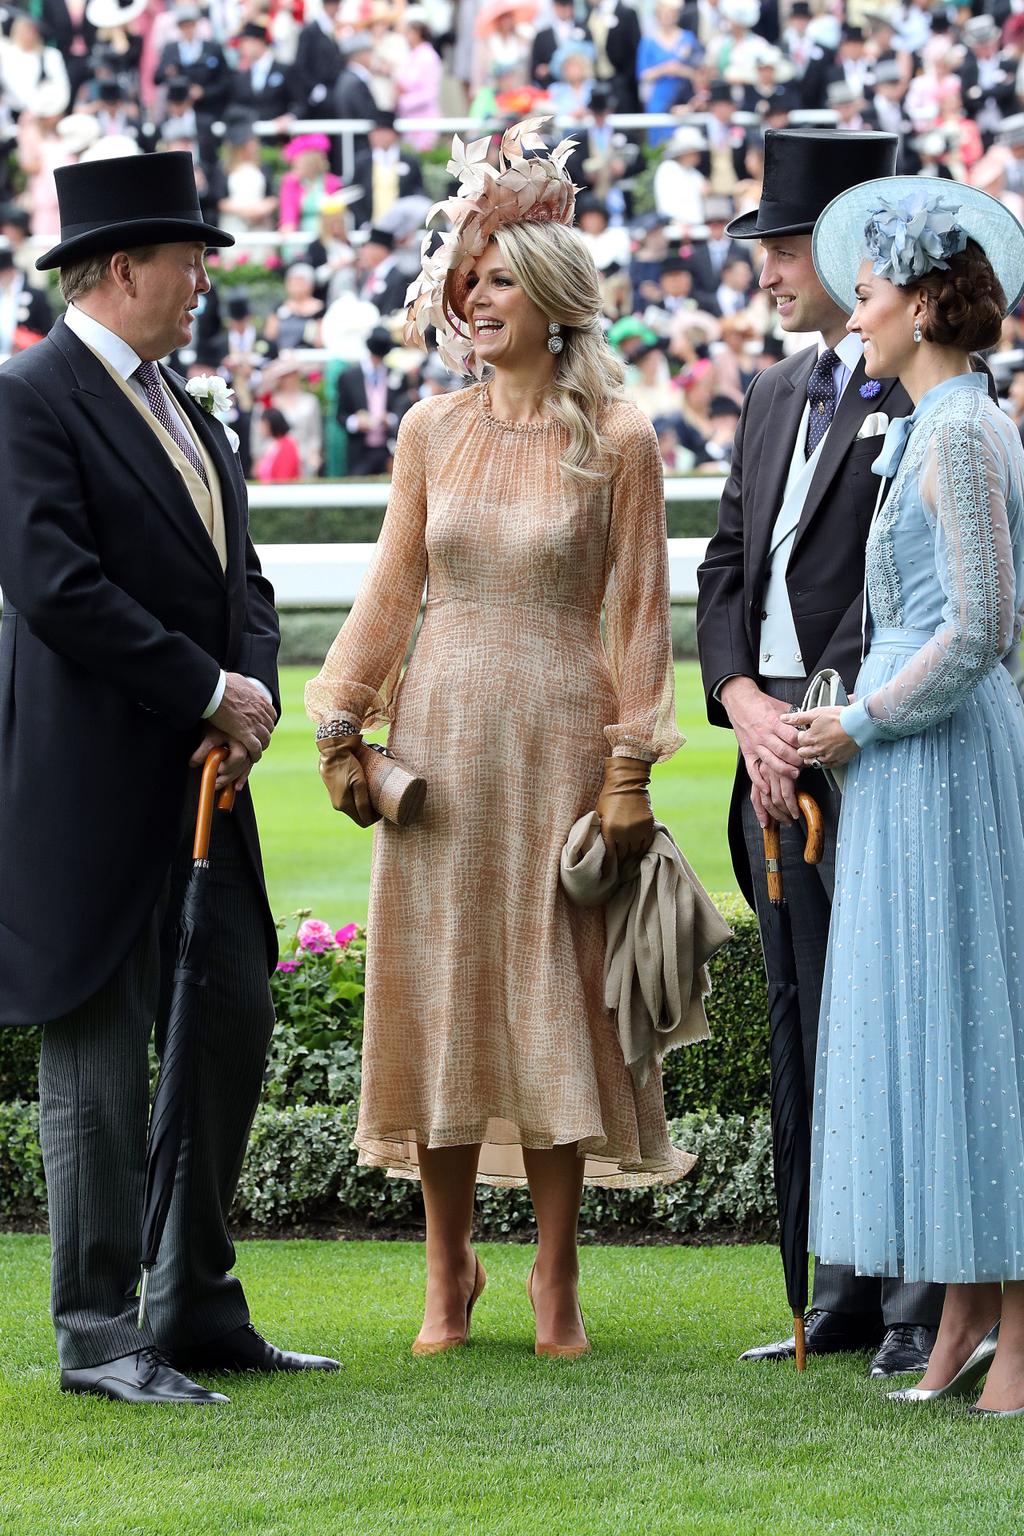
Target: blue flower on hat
point(869, 390)
point(910, 238)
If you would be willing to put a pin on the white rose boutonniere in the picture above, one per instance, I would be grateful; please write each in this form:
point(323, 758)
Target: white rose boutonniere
point(211, 393)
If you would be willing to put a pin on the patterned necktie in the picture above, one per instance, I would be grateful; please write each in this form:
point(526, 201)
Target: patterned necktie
point(148, 375)
point(821, 392)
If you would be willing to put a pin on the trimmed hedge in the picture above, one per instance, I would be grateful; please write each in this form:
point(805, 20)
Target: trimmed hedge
point(315, 1049)
point(307, 633)
point(361, 525)
point(301, 1168)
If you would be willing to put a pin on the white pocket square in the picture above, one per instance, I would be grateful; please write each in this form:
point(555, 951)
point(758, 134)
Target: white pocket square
point(232, 436)
point(874, 425)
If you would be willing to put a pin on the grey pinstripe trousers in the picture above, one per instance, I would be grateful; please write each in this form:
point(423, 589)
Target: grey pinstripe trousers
point(93, 1111)
point(809, 895)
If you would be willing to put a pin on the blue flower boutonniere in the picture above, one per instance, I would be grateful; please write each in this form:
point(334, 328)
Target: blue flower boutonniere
point(869, 390)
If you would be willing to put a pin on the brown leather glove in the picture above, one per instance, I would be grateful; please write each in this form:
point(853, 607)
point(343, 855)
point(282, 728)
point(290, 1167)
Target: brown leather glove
point(624, 807)
point(343, 774)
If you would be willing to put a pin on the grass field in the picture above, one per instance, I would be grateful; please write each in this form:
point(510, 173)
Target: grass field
point(315, 858)
point(660, 1431)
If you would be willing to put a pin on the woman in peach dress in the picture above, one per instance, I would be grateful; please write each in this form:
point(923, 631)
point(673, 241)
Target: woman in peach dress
point(526, 504)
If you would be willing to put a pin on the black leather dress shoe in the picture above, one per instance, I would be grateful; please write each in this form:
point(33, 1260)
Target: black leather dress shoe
point(145, 1377)
point(905, 1348)
point(245, 1350)
point(826, 1333)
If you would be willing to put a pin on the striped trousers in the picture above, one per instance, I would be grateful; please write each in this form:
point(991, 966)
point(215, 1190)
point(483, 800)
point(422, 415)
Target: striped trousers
point(94, 1110)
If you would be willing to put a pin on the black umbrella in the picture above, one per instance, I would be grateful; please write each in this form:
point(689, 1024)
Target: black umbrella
point(791, 1126)
point(167, 1119)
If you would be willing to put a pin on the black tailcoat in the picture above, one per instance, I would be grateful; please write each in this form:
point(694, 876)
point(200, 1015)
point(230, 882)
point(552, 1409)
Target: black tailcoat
point(825, 574)
point(117, 620)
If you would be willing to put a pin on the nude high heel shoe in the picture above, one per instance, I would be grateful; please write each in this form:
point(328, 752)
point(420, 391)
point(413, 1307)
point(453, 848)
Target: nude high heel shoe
point(555, 1351)
point(439, 1346)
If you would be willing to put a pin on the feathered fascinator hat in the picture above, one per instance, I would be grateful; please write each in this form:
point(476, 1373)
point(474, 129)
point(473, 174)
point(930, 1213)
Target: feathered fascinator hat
point(908, 226)
point(529, 185)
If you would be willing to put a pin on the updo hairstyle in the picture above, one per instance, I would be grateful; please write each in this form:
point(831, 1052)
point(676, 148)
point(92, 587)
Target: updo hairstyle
point(965, 305)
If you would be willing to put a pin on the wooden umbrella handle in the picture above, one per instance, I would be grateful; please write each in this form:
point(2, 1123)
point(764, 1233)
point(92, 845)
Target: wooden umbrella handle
point(773, 862)
point(814, 847)
point(207, 791)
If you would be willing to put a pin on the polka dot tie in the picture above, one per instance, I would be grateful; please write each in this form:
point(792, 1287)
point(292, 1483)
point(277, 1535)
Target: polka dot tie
point(148, 375)
point(821, 392)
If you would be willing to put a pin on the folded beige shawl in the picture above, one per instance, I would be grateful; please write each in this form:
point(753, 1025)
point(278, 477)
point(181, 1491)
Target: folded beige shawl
point(661, 929)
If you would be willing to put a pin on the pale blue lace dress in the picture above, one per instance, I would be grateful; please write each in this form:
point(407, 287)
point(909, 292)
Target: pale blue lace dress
point(918, 1142)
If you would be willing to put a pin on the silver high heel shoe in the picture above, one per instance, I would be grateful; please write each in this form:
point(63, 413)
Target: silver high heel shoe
point(966, 1379)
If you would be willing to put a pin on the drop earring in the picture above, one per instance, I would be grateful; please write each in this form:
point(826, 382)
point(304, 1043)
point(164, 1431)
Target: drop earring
point(555, 342)
point(917, 330)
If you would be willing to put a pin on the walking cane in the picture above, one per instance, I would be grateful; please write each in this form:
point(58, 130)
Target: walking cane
point(791, 1138)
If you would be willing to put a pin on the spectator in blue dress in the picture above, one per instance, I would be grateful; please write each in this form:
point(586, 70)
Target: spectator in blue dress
point(918, 1141)
point(665, 62)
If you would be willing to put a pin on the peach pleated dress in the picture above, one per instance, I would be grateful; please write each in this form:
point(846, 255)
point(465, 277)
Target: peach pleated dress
point(485, 1020)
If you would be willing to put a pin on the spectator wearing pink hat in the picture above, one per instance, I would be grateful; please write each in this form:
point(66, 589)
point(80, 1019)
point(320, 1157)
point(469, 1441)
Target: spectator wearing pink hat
point(304, 187)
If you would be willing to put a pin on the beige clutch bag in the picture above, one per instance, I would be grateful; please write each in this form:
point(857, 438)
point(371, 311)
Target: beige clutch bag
point(395, 793)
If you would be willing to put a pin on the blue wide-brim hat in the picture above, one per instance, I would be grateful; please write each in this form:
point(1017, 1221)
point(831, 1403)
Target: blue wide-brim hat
point(839, 244)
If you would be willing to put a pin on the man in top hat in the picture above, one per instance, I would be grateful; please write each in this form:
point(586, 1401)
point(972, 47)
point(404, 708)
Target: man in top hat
point(261, 84)
point(381, 280)
point(381, 172)
point(988, 76)
point(137, 634)
point(709, 256)
point(370, 399)
point(780, 598)
point(563, 28)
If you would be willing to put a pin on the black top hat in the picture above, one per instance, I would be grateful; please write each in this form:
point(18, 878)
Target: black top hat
point(799, 8)
point(179, 90)
point(238, 305)
point(720, 90)
point(602, 99)
point(382, 237)
point(382, 118)
point(112, 205)
point(255, 30)
point(379, 342)
point(804, 169)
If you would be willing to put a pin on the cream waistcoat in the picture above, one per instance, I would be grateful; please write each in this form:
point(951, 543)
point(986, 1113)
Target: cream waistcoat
point(207, 502)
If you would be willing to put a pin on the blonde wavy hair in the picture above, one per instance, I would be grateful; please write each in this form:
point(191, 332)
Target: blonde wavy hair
point(556, 271)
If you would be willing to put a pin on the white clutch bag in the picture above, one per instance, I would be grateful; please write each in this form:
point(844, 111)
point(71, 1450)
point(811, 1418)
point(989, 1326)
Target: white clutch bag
point(824, 689)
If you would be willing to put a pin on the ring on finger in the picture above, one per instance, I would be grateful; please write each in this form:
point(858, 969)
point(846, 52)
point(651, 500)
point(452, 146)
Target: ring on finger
point(816, 762)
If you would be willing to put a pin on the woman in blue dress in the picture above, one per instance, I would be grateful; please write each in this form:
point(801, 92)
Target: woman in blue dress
point(918, 1140)
point(665, 62)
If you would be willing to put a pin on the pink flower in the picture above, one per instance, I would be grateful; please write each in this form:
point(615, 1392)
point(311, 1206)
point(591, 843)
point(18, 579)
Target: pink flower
point(315, 936)
point(287, 965)
point(346, 935)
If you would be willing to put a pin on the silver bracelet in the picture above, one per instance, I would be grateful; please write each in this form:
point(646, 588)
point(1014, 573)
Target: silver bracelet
point(334, 730)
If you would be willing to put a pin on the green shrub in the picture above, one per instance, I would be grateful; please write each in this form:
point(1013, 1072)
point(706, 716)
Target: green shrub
point(307, 634)
point(361, 525)
point(301, 1167)
point(314, 1054)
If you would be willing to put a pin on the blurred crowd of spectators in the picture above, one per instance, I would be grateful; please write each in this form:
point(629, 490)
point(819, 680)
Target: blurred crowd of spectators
point(304, 319)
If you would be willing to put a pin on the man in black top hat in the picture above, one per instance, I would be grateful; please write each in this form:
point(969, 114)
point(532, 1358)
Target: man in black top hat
point(781, 590)
point(137, 634)
point(382, 172)
point(381, 280)
point(261, 84)
point(353, 96)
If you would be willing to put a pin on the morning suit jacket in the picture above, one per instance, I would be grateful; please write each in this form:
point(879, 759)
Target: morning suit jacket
point(315, 69)
point(117, 621)
point(410, 181)
point(825, 574)
point(353, 98)
point(273, 99)
point(211, 72)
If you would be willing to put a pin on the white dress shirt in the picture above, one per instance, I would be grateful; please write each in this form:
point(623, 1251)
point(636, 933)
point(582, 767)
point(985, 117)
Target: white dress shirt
point(124, 361)
point(780, 655)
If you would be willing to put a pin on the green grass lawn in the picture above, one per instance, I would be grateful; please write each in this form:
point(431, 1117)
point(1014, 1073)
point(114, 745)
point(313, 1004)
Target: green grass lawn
point(316, 858)
point(659, 1431)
